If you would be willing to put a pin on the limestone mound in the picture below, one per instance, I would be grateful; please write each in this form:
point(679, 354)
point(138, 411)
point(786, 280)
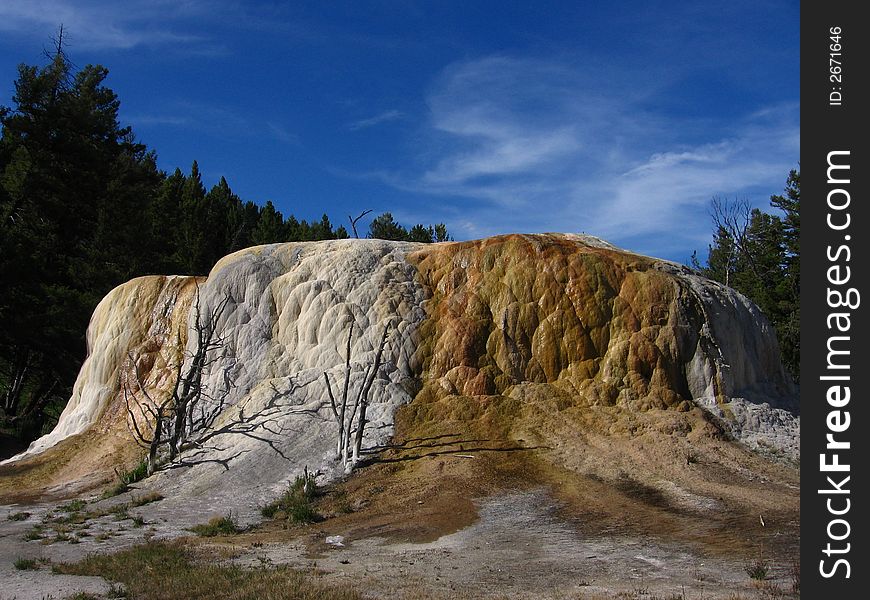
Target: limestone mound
point(536, 338)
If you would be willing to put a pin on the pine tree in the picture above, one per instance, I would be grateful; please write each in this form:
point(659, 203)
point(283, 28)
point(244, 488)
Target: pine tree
point(71, 178)
point(384, 227)
point(789, 327)
point(441, 234)
point(164, 218)
point(419, 233)
point(270, 227)
point(193, 236)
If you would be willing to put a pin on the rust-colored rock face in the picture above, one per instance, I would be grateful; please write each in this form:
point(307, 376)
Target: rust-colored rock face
point(609, 326)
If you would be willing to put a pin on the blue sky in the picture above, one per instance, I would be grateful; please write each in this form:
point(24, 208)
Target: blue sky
point(619, 119)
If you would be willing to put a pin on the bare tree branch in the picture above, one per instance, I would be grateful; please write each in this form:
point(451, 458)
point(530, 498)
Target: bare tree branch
point(354, 221)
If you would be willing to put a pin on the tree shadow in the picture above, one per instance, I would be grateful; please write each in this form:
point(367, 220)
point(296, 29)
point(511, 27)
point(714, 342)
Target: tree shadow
point(466, 452)
point(434, 442)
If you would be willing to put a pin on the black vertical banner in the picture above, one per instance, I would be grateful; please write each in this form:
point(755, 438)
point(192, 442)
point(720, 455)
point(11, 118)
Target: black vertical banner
point(835, 300)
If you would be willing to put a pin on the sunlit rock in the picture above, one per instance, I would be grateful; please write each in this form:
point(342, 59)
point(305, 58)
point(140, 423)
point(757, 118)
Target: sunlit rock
point(565, 318)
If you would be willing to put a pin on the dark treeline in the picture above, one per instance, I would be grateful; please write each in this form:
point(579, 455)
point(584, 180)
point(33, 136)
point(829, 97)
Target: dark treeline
point(758, 254)
point(83, 208)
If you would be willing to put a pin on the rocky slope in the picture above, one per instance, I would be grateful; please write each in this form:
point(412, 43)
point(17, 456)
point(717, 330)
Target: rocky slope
point(539, 336)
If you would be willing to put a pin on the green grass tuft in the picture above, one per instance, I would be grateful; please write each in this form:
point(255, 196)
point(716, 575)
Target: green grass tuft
point(35, 533)
point(126, 478)
point(217, 526)
point(73, 506)
point(297, 503)
point(758, 570)
point(26, 564)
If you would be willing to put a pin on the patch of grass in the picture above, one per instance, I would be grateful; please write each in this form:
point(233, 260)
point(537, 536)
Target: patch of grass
point(26, 564)
point(225, 525)
point(138, 521)
point(758, 569)
point(115, 490)
point(61, 536)
point(19, 516)
point(73, 518)
point(145, 499)
point(73, 507)
point(174, 574)
point(302, 513)
point(35, 533)
point(126, 478)
point(297, 503)
point(117, 591)
point(342, 502)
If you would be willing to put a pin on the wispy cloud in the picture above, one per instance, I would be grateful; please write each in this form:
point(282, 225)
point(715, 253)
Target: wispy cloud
point(213, 120)
point(149, 119)
point(389, 115)
point(101, 24)
point(533, 145)
point(281, 133)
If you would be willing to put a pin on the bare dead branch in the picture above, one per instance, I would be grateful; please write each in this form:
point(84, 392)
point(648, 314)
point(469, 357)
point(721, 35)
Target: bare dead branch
point(353, 221)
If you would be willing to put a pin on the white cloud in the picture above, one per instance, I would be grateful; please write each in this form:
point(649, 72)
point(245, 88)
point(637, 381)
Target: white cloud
point(99, 24)
point(281, 133)
point(389, 115)
point(212, 120)
point(547, 146)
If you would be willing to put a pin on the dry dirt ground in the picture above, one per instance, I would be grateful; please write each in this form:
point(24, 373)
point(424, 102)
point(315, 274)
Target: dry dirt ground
point(449, 526)
point(635, 506)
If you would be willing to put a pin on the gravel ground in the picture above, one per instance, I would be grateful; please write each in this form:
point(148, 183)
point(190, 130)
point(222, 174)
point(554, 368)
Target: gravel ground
point(518, 548)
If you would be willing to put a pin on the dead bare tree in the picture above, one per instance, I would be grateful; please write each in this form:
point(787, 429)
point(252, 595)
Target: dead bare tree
point(190, 407)
point(360, 405)
point(188, 390)
point(734, 218)
point(340, 412)
point(363, 398)
point(153, 411)
point(354, 221)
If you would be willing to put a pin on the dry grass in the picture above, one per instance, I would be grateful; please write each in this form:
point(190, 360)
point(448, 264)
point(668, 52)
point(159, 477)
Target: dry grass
point(146, 498)
point(169, 571)
point(225, 525)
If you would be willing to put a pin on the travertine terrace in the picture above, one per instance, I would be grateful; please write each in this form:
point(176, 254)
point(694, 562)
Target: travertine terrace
point(567, 334)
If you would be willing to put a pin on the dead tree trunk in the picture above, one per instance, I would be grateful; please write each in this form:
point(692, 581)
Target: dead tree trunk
point(363, 398)
point(191, 390)
point(172, 419)
point(340, 410)
point(151, 410)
